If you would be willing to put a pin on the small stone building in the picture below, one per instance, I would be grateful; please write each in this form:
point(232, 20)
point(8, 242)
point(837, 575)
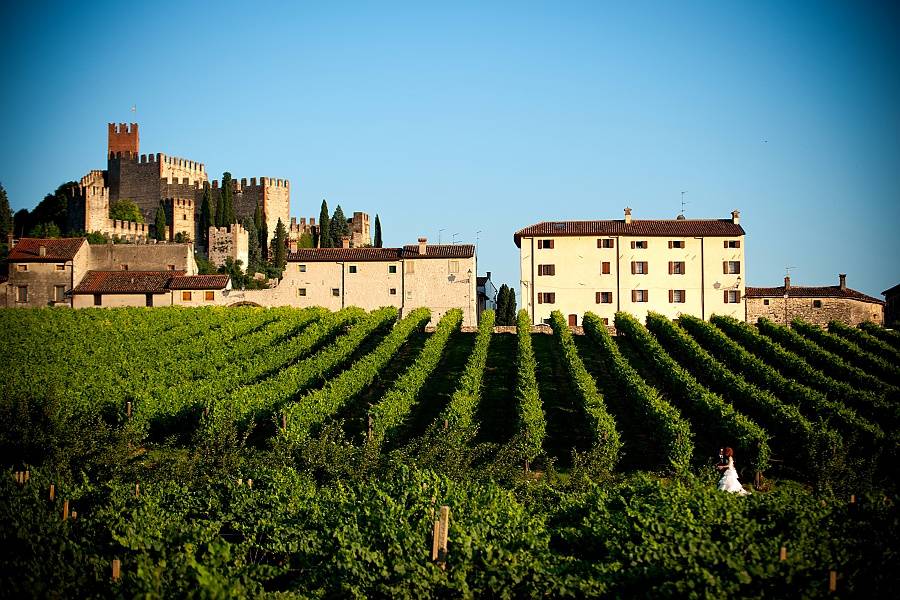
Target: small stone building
point(110, 289)
point(817, 305)
point(42, 272)
point(892, 306)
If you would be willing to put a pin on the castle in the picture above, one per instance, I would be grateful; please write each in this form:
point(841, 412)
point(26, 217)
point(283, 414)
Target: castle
point(176, 183)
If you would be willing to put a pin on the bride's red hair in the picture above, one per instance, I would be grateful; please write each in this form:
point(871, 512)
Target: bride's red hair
point(728, 452)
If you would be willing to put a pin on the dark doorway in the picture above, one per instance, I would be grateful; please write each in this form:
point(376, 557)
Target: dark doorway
point(573, 320)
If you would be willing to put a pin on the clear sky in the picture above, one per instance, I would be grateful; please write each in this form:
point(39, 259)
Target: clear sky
point(477, 119)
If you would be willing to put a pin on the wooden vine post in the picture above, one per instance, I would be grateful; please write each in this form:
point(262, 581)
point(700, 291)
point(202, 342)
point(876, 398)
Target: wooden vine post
point(782, 555)
point(439, 537)
point(128, 409)
point(369, 429)
point(65, 514)
point(116, 569)
point(283, 422)
point(832, 582)
point(52, 492)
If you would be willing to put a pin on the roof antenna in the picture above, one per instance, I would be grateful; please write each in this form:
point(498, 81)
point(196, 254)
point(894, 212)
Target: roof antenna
point(683, 203)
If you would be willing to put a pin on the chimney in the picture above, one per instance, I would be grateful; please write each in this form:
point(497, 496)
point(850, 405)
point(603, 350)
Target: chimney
point(488, 274)
point(627, 216)
point(843, 279)
point(292, 245)
point(423, 244)
point(42, 250)
point(345, 241)
point(736, 217)
point(787, 282)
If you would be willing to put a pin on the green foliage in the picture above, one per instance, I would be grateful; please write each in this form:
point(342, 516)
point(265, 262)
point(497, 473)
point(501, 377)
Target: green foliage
point(866, 341)
point(45, 230)
point(312, 409)
point(503, 306)
point(324, 226)
point(721, 423)
point(669, 428)
point(388, 415)
point(207, 215)
point(126, 210)
point(378, 241)
point(6, 216)
point(204, 267)
point(817, 447)
point(279, 247)
point(21, 223)
point(460, 411)
point(861, 359)
point(338, 227)
point(532, 426)
point(254, 253)
point(226, 216)
point(51, 213)
point(890, 336)
point(95, 237)
point(160, 224)
point(306, 241)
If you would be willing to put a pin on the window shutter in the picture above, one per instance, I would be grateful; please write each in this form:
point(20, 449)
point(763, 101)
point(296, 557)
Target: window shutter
point(671, 266)
point(684, 295)
point(605, 269)
point(597, 297)
point(633, 245)
point(634, 295)
point(646, 268)
point(633, 269)
point(540, 298)
point(671, 296)
point(737, 244)
point(725, 267)
point(737, 295)
point(670, 244)
point(737, 271)
point(726, 296)
point(725, 244)
point(646, 295)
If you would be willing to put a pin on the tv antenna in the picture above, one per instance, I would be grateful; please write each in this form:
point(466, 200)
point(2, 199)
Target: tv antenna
point(787, 271)
point(683, 202)
point(440, 231)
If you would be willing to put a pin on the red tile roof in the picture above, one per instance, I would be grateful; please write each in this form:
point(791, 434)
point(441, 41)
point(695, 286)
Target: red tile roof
point(125, 282)
point(58, 249)
point(830, 291)
point(199, 282)
point(380, 254)
point(649, 228)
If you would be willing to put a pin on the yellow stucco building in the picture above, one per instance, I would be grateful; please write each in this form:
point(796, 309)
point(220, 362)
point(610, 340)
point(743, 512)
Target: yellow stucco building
point(670, 266)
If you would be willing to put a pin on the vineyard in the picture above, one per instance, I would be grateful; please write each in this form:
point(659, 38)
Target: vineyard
point(244, 451)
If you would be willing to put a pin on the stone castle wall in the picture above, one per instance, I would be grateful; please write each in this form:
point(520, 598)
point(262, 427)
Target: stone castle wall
point(229, 242)
point(845, 310)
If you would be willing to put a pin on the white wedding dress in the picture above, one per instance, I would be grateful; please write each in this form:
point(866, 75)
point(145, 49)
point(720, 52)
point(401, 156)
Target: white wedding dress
point(730, 482)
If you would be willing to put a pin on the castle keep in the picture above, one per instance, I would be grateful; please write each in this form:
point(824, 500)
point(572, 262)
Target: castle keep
point(177, 183)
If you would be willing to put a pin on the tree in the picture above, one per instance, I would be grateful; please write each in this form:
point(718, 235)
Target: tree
point(207, 215)
point(254, 254)
point(280, 246)
point(262, 232)
point(511, 306)
point(160, 233)
point(306, 241)
point(338, 227)
point(228, 200)
point(220, 209)
point(324, 227)
point(52, 209)
point(45, 230)
point(204, 266)
point(6, 216)
point(377, 231)
point(502, 305)
point(125, 210)
point(20, 222)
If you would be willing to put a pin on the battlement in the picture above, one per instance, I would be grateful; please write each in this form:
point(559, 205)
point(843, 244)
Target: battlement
point(234, 228)
point(198, 185)
point(181, 163)
point(181, 203)
point(264, 182)
point(123, 138)
point(94, 177)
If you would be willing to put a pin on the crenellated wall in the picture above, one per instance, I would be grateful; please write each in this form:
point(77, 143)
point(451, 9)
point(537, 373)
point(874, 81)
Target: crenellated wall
point(229, 242)
point(272, 195)
point(180, 218)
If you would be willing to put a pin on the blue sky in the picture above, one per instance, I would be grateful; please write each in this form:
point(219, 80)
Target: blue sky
point(482, 118)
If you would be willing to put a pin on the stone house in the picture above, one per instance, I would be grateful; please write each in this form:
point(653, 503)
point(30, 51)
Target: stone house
point(675, 266)
point(487, 294)
point(892, 306)
point(111, 289)
point(42, 272)
point(817, 305)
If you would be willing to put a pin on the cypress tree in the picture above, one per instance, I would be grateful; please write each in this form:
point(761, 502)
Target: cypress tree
point(262, 232)
point(502, 305)
point(324, 227)
point(220, 209)
point(228, 199)
point(377, 232)
point(339, 227)
point(511, 306)
point(6, 216)
point(207, 215)
point(160, 223)
point(280, 249)
point(254, 254)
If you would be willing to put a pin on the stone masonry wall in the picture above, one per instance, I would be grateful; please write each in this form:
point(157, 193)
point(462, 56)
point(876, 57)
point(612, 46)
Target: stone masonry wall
point(845, 310)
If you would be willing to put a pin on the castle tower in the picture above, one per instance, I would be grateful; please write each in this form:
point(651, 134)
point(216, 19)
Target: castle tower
point(124, 138)
point(180, 217)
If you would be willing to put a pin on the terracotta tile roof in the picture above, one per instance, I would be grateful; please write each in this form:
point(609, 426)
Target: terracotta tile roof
point(440, 251)
point(649, 228)
point(198, 282)
point(380, 254)
point(62, 249)
point(830, 291)
point(125, 282)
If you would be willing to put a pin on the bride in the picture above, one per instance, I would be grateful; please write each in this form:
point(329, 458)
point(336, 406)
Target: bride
point(729, 481)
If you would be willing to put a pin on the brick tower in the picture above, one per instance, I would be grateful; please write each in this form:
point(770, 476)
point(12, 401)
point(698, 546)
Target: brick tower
point(124, 138)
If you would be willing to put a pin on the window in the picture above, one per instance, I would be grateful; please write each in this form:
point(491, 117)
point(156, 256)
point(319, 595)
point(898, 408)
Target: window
point(124, 267)
point(639, 267)
point(22, 293)
point(606, 243)
point(676, 267)
point(604, 320)
point(546, 297)
point(546, 269)
point(61, 267)
point(454, 266)
point(604, 297)
point(545, 244)
point(98, 300)
point(732, 296)
point(409, 294)
point(410, 267)
point(148, 300)
point(676, 243)
point(185, 296)
point(676, 296)
point(301, 292)
point(817, 304)
point(209, 296)
point(21, 268)
point(352, 268)
point(335, 291)
point(302, 268)
point(732, 243)
point(392, 268)
point(766, 302)
point(171, 267)
point(393, 291)
point(604, 268)
point(640, 296)
point(59, 293)
point(731, 267)
point(184, 217)
point(640, 245)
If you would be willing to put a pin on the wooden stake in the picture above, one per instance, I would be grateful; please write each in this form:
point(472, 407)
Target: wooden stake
point(65, 509)
point(445, 425)
point(137, 490)
point(284, 422)
point(832, 581)
point(128, 409)
point(240, 482)
point(27, 476)
point(116, 569)
point(74, 515)
point(369, 430)
point(435, 539)
point(250, 483)
point(19, 477)
point(852, 498)
point(445, 527)
point(757, 481)
point(782, 555)
point(52, 492)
